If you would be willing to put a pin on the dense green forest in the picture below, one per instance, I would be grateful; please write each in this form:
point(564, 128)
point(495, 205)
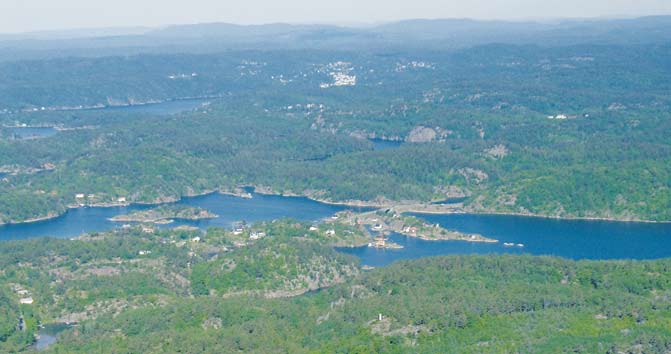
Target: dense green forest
point(612, 164)
point(569, 119)
point(475, 122)
point(289, 291)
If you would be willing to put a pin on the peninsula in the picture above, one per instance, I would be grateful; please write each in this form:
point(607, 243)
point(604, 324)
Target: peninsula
point(386, 221)
point(165, 213)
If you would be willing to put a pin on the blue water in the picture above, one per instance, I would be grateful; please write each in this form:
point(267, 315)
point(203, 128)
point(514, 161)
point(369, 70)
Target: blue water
point(162, 108)
point(48, 335)
point(381, 144)
point(230, 209)
point(32, 133)
point(574, 239)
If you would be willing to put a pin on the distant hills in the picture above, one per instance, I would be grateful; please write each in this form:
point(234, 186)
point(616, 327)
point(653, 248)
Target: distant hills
point(439, 34)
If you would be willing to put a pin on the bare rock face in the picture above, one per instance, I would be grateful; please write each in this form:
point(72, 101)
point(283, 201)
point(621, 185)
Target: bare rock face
point(497, 152)
point(423, 134)
point(473, 175)
point(453, 191)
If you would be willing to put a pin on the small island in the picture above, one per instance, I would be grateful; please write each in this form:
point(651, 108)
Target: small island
point(165, 214)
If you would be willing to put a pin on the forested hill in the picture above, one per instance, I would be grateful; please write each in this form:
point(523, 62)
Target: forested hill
point(417, 34)
point(289, 291)
point(574, 131)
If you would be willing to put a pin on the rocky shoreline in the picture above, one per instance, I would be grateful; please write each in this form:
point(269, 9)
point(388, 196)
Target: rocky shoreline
point(402, 206)
point(165, 213)
point(384, 223)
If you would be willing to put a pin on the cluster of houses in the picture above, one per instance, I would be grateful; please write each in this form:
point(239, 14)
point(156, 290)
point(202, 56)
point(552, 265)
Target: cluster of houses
point(182, 76)
point(410, 230)
point(340, 79)
point(341, 74)
point(401, 67)
point(253, 235)
point(81, 198)
point(25, 296)
point(379, 242)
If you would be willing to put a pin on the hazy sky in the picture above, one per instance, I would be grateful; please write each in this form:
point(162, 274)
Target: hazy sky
point(32, 15)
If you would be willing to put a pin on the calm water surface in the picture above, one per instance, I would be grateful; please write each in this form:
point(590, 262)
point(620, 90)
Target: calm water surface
point(162, 108)
point(381, 144)
point(575, 239)
point(230, 209)
point(48, 335)
point(167, 107)
point(32, 133)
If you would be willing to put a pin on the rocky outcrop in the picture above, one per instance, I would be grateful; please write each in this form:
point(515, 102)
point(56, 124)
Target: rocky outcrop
point(473, 175)
point(423, 134)
point(452, 191)
point(497, 152)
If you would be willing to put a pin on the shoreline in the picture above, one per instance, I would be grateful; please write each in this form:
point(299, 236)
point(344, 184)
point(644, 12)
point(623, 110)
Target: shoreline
point(412, 208)
point(33, 220)
point(415, 208)
point(539, 216)
point(103, 106)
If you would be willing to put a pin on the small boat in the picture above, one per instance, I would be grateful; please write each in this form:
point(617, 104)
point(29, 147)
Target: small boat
point(520, 245)
point(508, 244)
